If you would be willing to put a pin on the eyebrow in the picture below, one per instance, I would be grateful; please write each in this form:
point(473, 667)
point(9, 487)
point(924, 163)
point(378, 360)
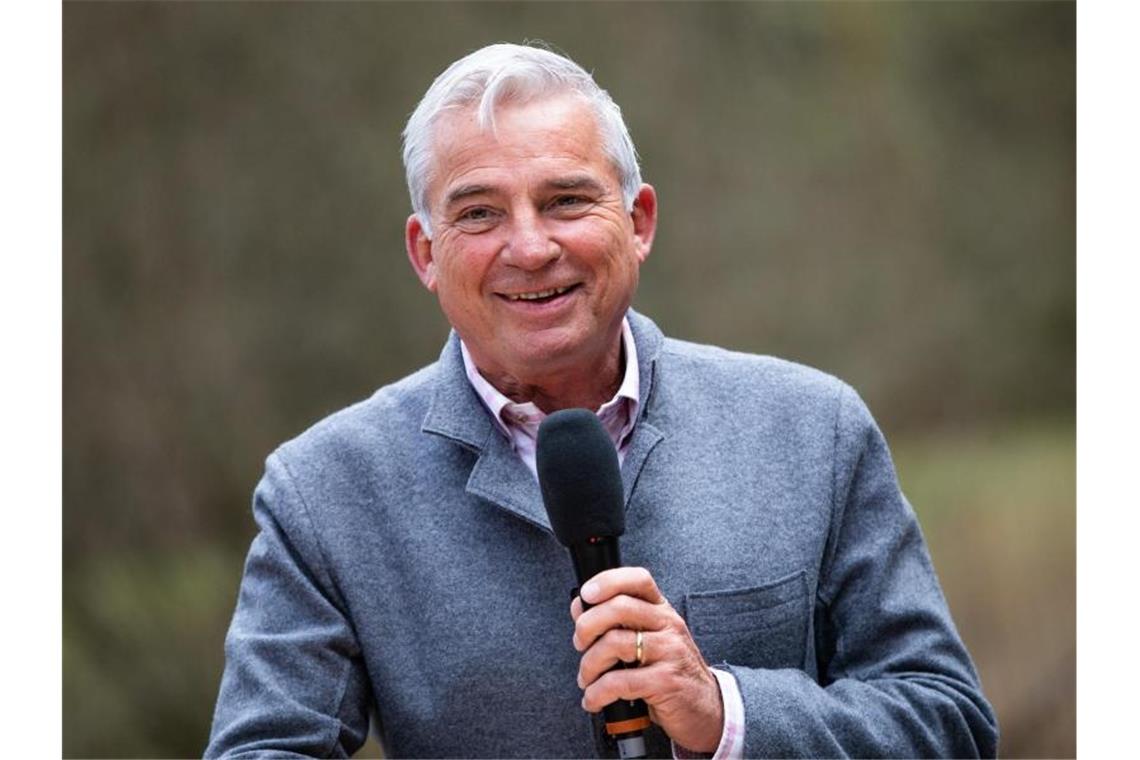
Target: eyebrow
point(465, 191)
point(579, 182)
point(572, 182)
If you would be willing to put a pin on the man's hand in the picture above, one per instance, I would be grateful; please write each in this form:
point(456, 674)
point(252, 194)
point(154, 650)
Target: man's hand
point(682, 693)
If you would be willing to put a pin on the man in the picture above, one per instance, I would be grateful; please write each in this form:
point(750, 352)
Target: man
point(781, 601)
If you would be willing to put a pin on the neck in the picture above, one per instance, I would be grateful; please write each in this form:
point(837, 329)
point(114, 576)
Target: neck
point(587, 387)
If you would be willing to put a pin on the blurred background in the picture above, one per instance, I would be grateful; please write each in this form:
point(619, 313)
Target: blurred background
point(882, 190)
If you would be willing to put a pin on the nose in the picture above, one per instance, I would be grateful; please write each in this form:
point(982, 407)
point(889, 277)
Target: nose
point(529, 245)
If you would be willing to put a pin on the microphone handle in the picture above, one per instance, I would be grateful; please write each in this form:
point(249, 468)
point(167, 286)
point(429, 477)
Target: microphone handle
point(625, 719)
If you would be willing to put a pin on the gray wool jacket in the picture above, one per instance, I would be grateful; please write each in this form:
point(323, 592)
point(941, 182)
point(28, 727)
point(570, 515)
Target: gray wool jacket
point(405, 569)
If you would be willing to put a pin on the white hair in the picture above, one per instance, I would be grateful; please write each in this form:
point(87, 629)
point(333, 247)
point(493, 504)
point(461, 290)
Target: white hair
point(502, 73)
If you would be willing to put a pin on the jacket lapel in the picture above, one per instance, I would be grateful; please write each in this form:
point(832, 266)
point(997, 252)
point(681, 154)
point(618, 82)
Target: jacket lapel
point(456, 413)
point(648, 339)
point(499, 476)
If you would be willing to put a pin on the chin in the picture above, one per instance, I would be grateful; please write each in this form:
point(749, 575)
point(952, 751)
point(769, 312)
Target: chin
point(542, 358)
point(539, 353)
point(540, 362)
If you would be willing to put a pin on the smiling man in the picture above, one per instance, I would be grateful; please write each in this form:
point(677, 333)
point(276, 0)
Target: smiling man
point(781, 602)
point(533, 251)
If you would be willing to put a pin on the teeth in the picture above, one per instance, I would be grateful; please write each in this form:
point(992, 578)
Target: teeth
point(538, 294)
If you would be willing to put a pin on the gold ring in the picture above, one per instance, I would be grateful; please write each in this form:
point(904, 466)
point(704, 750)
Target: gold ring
point(640, 649)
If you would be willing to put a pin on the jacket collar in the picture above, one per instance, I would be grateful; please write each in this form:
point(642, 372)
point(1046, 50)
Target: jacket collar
point(499, 476)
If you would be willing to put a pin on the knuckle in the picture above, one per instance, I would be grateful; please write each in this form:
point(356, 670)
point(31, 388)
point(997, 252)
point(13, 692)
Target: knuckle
point(594, 695)
point(603, 689)
point(579, 640)
point(671, 652)
point(625, 604)
point(606, 577)
point(611, 639)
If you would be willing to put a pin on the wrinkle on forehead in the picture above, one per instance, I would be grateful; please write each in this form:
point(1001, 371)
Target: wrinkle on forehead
point(461, 143)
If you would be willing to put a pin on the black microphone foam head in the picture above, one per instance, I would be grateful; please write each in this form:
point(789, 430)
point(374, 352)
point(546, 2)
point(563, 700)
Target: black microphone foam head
point(579, 476)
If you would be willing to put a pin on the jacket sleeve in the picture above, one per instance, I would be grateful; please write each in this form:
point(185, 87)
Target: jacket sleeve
point(294, 680)
point(895, 679)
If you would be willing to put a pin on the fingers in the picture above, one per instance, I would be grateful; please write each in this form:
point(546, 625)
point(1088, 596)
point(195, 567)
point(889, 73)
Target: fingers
point(624, 597)
point(619, 645)
point(674, 680)
point(631, 683)
point(683, 697)
point(621, 612)
point(631, 581)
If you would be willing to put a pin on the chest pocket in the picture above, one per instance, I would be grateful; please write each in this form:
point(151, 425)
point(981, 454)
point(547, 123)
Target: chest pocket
point(760, 627)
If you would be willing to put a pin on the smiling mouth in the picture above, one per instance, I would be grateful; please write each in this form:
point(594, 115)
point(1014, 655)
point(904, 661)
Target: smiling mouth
point(539, 295)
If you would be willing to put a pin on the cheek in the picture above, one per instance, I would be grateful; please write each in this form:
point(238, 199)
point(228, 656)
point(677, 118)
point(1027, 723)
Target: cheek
point(465, 270)
point(600, 246)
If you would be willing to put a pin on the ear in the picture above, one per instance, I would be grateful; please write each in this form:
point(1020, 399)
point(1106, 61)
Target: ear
point(419, 251)
point(644, 215)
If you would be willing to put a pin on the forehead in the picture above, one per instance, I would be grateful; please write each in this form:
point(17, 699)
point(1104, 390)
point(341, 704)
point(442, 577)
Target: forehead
point(552, 134)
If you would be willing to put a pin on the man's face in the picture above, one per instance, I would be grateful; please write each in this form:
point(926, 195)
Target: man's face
point(533, 256)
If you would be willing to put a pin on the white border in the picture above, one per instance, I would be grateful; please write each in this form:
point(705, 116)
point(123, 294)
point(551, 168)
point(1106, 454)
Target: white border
point(31, 384)
point(1108, 205)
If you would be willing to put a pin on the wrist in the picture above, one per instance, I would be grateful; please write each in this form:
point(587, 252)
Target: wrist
point(713, 724)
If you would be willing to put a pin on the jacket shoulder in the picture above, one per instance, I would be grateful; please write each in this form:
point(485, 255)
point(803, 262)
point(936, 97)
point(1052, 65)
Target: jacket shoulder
point(742, 375)
point(393, 412)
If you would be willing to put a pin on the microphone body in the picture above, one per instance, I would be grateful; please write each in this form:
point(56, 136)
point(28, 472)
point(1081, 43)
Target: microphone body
point(581, 488)
point(625, 719)
point(597, 554)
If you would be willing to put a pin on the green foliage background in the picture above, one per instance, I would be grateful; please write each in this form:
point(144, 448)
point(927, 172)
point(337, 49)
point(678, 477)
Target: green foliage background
point(882, 190)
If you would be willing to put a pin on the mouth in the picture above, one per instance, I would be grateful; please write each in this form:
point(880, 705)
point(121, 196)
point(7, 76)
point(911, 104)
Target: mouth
point(539, 296)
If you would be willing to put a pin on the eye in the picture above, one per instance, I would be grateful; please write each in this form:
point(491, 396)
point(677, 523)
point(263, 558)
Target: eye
point(476, 218)
point(476, 214)
point(569, 203)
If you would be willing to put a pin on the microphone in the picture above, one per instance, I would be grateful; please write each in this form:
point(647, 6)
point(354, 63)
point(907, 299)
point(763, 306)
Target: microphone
point(581, 487)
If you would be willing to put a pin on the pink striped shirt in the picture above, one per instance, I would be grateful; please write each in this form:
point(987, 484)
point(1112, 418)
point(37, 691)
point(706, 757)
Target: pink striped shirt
point(519, 423)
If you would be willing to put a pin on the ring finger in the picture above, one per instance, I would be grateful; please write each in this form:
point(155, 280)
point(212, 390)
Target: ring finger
point(616, 645)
